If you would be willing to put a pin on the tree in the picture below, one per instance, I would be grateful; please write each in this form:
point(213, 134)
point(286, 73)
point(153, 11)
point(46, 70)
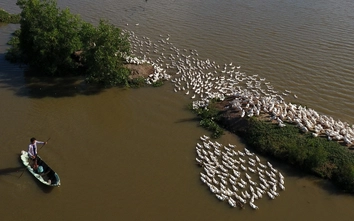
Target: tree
point(105, 47)
point(48, 36)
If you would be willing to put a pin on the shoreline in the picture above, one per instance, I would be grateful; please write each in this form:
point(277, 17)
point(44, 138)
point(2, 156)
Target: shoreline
point(327, 159)
point(231, 119)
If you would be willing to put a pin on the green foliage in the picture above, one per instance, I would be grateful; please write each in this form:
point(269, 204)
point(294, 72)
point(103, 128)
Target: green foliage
point(104, 47)
point(207, 113)
point(212, 126)
point(327, 159)
point(48, 37)
point(6, 17)
point(158, 83)
point(137, 82)
point(209, 116)
point(14, 53)
point(344, 177)
point(54, 42)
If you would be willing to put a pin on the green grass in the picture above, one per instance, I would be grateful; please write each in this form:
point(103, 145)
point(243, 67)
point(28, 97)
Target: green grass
point(208, 119)
point(137, 82)
point(158, 83)
point(317, 155)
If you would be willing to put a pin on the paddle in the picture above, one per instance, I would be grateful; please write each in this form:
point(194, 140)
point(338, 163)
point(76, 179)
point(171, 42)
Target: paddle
point(39, 149)
point(22, 173)
point(44, 143)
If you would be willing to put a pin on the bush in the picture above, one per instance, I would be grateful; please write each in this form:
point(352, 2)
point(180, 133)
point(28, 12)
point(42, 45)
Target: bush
point(6, 17)
point(50, 40)
point(14, 53)
point(158, 83)
point(48, 37)
point(210, 125)
point(137, 82)
point(102, 54)
point(209, 116)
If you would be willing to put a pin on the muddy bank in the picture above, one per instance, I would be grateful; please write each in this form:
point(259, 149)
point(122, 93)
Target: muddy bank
point(231, 119)
point(139, 70)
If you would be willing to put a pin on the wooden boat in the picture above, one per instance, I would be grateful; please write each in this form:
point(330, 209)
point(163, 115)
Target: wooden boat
point(45, 174)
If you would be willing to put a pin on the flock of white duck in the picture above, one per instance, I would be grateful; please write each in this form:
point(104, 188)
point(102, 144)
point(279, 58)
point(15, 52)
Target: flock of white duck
point(237, 177)
point(204, 80)
point(227, 172)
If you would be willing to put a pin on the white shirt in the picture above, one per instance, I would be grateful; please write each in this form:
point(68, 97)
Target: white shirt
point(32, 148)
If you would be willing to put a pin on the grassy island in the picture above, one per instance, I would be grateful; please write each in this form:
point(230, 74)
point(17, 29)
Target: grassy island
point(316, 155)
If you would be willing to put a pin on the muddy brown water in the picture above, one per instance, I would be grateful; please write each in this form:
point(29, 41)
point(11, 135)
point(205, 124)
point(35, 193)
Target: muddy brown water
point(128, 154)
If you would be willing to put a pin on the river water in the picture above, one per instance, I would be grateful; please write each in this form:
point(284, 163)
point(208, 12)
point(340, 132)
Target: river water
point(129, 154)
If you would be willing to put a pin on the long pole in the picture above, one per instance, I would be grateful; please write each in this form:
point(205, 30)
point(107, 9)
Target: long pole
point(22, 172)
point(44, 143)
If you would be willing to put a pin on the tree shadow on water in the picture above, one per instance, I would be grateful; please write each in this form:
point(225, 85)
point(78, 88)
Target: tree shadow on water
point(69, 86)
point(192, 119)
point(23, 83)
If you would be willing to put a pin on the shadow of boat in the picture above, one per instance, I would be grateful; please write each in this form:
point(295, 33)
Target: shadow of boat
point(11, 170)
point(44, 188)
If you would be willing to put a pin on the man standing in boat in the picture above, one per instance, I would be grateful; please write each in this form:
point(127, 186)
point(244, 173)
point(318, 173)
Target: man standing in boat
point(33, 150)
